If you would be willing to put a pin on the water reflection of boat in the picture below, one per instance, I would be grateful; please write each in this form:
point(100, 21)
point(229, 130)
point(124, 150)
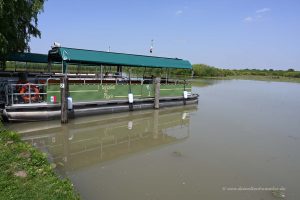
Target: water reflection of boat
point(86, 141)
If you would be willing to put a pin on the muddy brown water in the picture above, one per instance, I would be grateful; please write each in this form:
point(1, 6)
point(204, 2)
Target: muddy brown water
point(241, 141)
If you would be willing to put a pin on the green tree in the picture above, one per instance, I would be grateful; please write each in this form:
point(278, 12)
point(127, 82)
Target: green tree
point(203, 70)
point(18, 23)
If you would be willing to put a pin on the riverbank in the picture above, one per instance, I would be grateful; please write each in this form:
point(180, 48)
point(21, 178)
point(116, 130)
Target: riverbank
point(253, 77)
point(206, 71)
point(26, 173)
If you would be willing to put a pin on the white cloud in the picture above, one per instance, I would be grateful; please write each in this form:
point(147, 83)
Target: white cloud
point(263, 10)
point(248, 19)
point(179, 12)
point(259, 15)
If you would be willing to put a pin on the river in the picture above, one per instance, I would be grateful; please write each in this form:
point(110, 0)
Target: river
point(241, 141)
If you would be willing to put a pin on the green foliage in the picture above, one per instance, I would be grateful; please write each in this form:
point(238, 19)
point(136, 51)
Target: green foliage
point(201, 70)
point(154, 72)
point(26, 173)
point(18, 22)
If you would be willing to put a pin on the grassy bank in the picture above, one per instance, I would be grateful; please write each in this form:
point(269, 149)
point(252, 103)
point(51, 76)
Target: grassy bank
point(210, 72)
point(258, 78)
point(26, 173)
point(267, 78)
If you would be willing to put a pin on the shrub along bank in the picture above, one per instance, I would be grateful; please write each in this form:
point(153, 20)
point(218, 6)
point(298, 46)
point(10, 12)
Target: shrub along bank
point(202, 70)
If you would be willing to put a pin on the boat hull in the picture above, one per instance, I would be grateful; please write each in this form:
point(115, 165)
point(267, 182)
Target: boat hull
point(36, 112)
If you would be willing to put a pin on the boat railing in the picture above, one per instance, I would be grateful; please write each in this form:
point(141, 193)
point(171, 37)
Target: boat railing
point(28, 93)
point(106, 80)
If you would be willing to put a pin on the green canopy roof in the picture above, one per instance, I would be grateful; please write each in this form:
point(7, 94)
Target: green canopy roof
point(28, 57)
point(71, 55)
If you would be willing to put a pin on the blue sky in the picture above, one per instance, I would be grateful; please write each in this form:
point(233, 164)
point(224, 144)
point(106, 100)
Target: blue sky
point(223, 33)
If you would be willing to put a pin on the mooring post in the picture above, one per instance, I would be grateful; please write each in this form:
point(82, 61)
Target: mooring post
point(184, 93)
point(157, 92)
point(64, 91)
point(130, 95)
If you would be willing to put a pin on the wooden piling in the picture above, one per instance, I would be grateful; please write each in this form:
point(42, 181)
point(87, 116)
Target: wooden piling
point(157, 92)
point(64, 91)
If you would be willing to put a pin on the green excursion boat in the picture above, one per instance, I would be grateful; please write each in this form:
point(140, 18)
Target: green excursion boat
point(97, 82)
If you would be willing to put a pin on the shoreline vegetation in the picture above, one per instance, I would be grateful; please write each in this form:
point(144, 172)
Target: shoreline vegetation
point(203, 71)
point(26, 172)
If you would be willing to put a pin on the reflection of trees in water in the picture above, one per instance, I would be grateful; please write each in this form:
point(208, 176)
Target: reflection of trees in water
point(204, 82)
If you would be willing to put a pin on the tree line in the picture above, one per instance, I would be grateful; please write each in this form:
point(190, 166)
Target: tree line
point(202, 70)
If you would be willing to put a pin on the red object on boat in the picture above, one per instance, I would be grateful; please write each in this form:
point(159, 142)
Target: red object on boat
point(53, 99)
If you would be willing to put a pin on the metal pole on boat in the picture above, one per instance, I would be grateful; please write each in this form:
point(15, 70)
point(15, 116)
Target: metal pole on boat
point(6, 93)
point(167, 72)
point(144, 73)
point(29, 90)
point(101, 72)
point(12, 95)
point(157, 92)
point(184, 93)
point(49, 66)
point(130, 94)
